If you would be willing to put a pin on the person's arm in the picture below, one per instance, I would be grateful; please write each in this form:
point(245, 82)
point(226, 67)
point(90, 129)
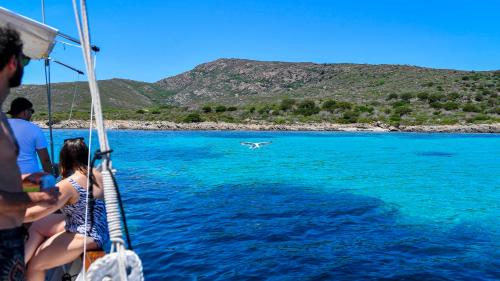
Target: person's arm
point(67, 192)
point(14, 201)
point(41, 150)
point(43, 155)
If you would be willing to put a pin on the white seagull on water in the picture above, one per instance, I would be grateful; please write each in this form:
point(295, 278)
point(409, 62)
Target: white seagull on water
point(255, 145)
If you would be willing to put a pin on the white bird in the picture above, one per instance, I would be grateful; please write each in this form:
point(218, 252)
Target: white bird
point(255, 145)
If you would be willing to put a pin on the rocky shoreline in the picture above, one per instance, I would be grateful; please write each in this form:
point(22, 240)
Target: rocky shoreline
point(375, 127)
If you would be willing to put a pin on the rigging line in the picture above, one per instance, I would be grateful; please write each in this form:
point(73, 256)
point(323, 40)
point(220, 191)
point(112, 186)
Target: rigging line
point(74, 96)
point(49, 109)
point(43, 11)
point(69, 38)
point(67, 66)
point(83, 31)
point(89, 166)
point(69, 44)
point(89, 173)
point(49, 99)
point(78, 24)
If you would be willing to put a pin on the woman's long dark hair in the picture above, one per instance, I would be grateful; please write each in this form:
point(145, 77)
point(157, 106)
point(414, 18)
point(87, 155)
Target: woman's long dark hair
point(73, 157)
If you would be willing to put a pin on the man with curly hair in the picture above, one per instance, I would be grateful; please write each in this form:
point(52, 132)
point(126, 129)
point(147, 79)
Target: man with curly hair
point(13, 201)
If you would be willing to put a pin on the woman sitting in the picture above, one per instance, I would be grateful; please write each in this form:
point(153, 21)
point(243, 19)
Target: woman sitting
point(58, 239)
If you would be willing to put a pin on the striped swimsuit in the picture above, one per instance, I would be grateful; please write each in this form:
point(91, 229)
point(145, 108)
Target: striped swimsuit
point(75, 217)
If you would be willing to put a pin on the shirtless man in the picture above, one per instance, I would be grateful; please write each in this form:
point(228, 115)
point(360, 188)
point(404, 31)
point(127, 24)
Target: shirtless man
point(13, 201)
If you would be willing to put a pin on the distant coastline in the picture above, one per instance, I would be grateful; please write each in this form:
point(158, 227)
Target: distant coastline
point(260, 126)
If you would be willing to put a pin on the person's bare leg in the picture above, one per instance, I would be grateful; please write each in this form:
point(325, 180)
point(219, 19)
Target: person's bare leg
point(41, 230)
point(59, 249)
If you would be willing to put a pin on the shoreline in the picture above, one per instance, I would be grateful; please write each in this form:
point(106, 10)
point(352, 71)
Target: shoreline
point(261, 126)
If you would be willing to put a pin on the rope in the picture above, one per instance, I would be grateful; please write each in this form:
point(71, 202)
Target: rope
point(74, 96)
point(110, 193)
point(68, 44)
point(49, 109)
point(122, 212)
point(88, 184)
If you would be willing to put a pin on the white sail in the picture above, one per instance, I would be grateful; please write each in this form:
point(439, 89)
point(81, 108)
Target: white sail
point(38, 38)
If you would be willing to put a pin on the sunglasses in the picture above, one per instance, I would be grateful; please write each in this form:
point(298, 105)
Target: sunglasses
point(31, 110)
point(74, 139)
point(25, 60)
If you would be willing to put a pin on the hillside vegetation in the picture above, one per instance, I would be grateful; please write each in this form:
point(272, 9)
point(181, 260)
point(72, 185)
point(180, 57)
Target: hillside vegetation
point(245, 91)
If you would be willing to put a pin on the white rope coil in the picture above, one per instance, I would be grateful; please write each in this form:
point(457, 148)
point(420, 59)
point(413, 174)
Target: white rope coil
point(106, 267)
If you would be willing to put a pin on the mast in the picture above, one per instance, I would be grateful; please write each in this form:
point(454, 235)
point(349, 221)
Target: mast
point(49, 98)
point(111, 194)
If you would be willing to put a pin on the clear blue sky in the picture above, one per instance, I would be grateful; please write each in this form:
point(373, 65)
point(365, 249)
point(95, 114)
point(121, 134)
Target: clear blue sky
point(149, 40)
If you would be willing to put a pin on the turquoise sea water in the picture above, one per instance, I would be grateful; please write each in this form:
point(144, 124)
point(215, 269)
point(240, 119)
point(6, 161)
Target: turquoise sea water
point(310, 206)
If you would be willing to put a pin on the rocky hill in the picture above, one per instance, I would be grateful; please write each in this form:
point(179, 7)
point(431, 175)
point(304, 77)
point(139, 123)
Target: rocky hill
point(116, 94)
point(236, 81)
point(307, 92)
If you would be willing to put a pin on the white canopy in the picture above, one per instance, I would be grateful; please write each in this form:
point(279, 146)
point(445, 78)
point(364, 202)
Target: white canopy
point(38, 38)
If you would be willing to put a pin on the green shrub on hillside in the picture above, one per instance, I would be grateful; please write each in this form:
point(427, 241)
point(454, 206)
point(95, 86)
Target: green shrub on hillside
point(329, 105)
point(481, 117)
point(399, 103)
point(193, 118)
point(436, 97)
point(470, 107)
point(448, 121)
point(350, 116)
point(402, 110)
point(406, 96)
point(423, 96)
point(226, 118)
point(362, 108)
point(287, 104)
point(232, 108)
point(395, 119)
point(220, 109)
point(453, 96)
point(392, 96)
point(450, 105)
point(343, 105)
point(279, 120)
point(206, 109)
point(436, 105)
point(265, 109)
point(307, 108)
